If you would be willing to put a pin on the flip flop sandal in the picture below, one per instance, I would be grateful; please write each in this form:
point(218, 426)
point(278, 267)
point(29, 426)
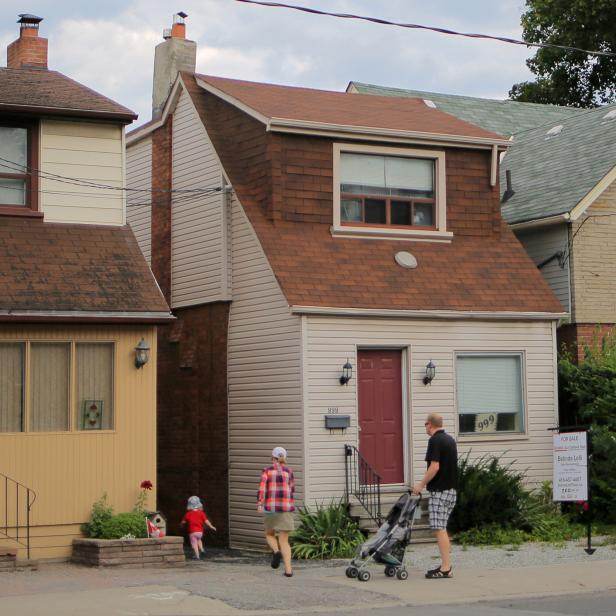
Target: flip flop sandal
point(437, 573)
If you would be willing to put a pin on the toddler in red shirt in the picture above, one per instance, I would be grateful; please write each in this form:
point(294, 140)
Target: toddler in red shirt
point(194, 519)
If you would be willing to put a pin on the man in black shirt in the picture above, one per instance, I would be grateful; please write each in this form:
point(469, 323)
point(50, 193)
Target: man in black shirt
point(441, 481)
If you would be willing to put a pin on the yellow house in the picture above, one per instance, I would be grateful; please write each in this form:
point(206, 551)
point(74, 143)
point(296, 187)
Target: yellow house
point(78, 306)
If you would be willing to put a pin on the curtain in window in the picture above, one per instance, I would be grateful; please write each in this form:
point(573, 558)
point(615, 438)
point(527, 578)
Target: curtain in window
point(94, 386)
point(391, 172)
point(11, 386)
point(490, 396)
point(409, 173)
point(49, 386)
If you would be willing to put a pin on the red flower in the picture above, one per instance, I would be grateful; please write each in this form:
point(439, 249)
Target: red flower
point(146, 484)
point(585, 506)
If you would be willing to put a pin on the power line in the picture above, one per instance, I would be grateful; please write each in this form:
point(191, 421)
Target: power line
point(14, 166)
point(385, 22)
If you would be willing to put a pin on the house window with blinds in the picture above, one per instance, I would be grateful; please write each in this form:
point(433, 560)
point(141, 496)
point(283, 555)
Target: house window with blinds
point(41, 381)
point(392, 191)
point(490, 394)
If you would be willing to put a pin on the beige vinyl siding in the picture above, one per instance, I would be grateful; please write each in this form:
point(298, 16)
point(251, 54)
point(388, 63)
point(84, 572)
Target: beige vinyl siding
point(264, 377)
point(86, 151)
point(541, 244)
point(70, 470)
point(330, 340)
point(139, 176)
point(198, 271)
point(593, 257)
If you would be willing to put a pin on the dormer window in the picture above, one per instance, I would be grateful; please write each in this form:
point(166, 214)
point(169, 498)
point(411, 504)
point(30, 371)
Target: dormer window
point(387, 190)
point(18, 144)
point(394, 192)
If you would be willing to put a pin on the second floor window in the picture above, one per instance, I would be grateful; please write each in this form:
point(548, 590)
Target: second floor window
point(18, 153)
point(387, 190)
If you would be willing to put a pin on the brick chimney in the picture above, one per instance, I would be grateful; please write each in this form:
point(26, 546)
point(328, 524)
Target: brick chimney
point(174, 54)
point(29, 50)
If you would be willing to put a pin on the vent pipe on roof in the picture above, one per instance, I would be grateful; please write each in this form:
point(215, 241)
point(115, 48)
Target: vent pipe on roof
point(509, 192)
point(29, 50)
point(173, 55)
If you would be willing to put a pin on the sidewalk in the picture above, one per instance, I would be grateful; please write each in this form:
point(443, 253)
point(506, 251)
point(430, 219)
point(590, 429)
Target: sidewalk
point(228, 585)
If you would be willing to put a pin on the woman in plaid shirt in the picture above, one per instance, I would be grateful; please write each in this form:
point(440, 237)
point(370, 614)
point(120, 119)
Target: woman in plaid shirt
point(275, 499)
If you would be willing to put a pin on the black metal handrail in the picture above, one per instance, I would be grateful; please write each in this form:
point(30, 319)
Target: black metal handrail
point(363, 482)
point(18, 501)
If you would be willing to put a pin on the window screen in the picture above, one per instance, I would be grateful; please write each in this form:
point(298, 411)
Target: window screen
point(490, 393)
point(11, 386)
point(49, 386)
point(94, 386)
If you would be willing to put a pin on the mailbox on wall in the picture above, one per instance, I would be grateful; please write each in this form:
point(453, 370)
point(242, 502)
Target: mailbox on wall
point(337, 422)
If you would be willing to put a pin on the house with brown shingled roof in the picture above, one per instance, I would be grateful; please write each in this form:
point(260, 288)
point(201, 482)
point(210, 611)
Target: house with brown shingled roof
point(338, 268)
point(77, 403)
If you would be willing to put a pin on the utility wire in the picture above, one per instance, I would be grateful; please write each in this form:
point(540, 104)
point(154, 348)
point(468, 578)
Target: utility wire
point(19, 168)
point(385, 22)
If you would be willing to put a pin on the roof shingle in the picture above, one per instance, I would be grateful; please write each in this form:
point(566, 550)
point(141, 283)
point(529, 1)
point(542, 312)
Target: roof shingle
point(66, 267)
point(345, 109)
point(35, 91)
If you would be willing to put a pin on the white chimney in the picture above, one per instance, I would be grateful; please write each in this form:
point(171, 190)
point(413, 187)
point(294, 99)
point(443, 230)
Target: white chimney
point(173, 55)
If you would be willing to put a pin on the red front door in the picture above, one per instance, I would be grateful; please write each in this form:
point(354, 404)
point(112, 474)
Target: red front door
point(379, 379)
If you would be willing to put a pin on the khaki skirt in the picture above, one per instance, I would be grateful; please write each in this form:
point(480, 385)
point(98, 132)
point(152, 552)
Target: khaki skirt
point(280, 520)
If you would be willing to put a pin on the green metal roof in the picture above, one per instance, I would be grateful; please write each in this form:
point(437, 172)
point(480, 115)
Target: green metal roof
point(500, 116)
point(552, 172)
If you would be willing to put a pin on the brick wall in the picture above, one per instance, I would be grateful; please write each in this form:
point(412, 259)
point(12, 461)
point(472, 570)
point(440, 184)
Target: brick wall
point(161, 207)
point(573, 337)
point(192, 381)
point(192, 416)
point(593, 262)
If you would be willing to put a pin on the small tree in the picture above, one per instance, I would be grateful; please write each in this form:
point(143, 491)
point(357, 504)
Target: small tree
point(590, 390)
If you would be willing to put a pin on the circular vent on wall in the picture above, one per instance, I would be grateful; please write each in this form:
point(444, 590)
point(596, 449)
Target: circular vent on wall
point(406, 260)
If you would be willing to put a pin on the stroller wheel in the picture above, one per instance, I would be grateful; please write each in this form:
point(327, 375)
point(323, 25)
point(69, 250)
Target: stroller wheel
point(351, 572)
point(403, 574)
point(390, 571)
point(363, 576)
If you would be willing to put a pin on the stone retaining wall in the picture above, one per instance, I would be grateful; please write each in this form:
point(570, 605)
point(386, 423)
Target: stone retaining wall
point(7, 561)
point(165, 552)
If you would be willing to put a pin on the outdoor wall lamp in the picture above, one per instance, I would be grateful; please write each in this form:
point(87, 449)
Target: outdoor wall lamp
point(430, 373)
point(347, 373)
point(142, 354)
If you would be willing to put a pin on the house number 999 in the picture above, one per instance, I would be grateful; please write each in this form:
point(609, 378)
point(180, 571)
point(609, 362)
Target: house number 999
point(332, 410)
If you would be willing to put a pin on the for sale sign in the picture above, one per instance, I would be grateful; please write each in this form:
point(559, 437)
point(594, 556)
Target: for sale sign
point(570, 467)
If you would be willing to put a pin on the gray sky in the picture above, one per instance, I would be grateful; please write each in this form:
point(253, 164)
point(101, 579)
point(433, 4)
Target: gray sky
point(108, 45)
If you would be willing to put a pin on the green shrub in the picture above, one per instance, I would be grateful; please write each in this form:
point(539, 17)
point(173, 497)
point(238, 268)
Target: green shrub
point(326, 532)
point(554, 528)
point(492, 534)
point(491, 494)
point(123, 524)
point(603, 472)
point(101, 513)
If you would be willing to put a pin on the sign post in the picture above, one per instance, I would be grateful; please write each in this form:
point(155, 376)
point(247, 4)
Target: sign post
point(571, 482)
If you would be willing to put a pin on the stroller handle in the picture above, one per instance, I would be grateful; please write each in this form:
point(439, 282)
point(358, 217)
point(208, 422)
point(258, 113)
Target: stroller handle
point(413, 495)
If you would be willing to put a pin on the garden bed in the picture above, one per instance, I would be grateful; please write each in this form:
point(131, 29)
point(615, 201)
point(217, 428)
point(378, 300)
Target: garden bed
point(152, 552)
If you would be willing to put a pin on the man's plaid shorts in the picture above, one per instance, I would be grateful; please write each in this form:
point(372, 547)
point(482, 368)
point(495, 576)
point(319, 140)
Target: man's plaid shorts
point(440, 508)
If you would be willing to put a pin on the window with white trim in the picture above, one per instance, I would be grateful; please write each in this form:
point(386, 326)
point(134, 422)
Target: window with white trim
point(41, 381)
point(389, 191)
point(490, 393)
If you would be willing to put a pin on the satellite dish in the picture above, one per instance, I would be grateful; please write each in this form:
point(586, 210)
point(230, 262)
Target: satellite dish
point(406, 260)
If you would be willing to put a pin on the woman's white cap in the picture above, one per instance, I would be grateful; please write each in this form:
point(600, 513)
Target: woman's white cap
point(279, 452)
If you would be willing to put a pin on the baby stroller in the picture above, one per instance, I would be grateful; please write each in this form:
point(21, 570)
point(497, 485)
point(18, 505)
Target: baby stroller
point(388, 546)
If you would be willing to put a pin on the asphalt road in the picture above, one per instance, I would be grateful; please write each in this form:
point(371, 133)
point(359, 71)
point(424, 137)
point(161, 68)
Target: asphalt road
point(585, 604)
